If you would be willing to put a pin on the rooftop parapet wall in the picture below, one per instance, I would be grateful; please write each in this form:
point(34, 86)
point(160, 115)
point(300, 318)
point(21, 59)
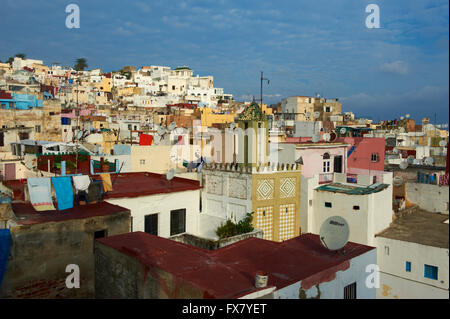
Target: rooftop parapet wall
point(260, 169)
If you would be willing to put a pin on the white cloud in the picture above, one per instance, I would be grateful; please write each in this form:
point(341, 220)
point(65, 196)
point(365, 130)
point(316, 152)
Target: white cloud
point(396, 67)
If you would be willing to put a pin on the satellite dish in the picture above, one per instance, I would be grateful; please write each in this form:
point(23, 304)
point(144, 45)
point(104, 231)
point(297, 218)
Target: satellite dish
point(429, 161)
point(442, 143)
point(315, 138)
point(233, 126)
point(308, 115)
point(403, 165)
point(333, 136)
point(156, 139)
point(161, 131)
point(418, 161)
point(395, 150)
point(398, 181)
point(279, 124)
point(402, 118)
point(407, 116)
point(410, 159)
point(316, 115)
point(334, 233)
point(342, 130)
point(170, 174)
point(172, 126)
point(326, 137)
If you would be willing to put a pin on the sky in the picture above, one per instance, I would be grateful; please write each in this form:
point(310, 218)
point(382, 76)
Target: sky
point(303, 47)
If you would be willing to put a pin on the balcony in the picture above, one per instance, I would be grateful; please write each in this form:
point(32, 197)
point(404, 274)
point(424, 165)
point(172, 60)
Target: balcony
point(325, 178)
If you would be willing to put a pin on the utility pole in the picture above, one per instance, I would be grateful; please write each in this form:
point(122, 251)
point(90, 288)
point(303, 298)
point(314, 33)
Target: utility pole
point(268, 82)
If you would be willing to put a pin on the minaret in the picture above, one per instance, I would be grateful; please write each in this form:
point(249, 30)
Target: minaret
point(255, 133)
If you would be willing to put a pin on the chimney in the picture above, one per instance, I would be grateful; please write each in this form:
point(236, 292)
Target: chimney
point(261, 279)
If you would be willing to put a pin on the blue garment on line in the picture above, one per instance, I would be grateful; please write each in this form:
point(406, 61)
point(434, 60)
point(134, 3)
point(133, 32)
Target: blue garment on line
point(5, 239)
point(64, 192)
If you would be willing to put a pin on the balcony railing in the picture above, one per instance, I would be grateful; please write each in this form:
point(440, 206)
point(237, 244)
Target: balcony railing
point(325, 178)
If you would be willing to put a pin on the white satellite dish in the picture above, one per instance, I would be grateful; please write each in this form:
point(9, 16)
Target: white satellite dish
point(402, 118)
point(407, 116)
point(308, 115)
point(233, 126)
point(429, 161)
point(342, 130)
point(172, 126)
point(156, 139)
point(170, 174)
point(397, 181)
point(326, 137)
point(403, 165)
point(161, 131)
point(442, 143)
point(334, 233)
point(279, 124)
point(315, 138)
point(395, 150)
point(316, 114)
point(410, 159)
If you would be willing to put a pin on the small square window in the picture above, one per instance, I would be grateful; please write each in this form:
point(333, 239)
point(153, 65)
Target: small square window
point(356, 207)
point(408, 266)
point(328, 204)
point(142, 161)
point(431, 272)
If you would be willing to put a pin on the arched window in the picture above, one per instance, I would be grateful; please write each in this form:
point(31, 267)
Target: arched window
point(326, 156)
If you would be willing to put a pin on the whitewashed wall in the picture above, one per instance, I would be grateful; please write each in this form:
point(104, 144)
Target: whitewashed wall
point(433, 198)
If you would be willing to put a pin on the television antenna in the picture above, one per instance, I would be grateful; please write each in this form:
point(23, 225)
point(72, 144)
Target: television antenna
point(334, 233)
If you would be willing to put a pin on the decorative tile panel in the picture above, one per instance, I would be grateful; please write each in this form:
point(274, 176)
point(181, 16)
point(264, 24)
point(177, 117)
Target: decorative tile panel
point(265, 188)
point(287, 187)
point(264, 221)
point(287, 221)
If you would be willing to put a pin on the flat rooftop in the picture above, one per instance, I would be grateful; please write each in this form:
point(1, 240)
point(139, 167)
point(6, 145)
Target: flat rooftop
point(144, 184)
point(229, 272)
point(27, 215)
point(352, 190)
point(420, 227)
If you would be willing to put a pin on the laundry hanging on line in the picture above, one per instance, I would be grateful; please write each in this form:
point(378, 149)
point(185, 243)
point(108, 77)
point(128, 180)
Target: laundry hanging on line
point(40, 190)
point(64, 192)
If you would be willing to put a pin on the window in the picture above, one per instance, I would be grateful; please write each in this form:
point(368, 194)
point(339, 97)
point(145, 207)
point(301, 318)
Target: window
point(327, 109)
point(374, 157)
point(151, 224)
point(386, 250)
point(356, 207)
point(130, 127)
point(408, 266)
point(177, 221)
point(142, 161)
point(326, 166)
point(328, 204)
point(51, 113)
point(350, 291)
point(37, 128)
point(431, 272)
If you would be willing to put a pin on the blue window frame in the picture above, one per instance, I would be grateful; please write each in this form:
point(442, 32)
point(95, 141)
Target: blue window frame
point(408, 266)
point(431, 272)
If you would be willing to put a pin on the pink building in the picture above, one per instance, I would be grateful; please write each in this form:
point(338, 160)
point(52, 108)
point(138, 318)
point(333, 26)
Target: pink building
point(365, 155)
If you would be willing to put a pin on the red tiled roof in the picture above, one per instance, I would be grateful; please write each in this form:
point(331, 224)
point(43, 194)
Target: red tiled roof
point(229, 272)
point(144, 184)
point(29, 216)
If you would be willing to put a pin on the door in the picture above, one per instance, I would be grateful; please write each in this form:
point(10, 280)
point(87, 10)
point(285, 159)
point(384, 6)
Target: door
point(10, 171)
point(151, 224)
point(338, 164)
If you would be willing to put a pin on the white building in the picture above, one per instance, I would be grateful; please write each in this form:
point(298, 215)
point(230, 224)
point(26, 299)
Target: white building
point(413, 257)
point(366, 207)
point(158, 206)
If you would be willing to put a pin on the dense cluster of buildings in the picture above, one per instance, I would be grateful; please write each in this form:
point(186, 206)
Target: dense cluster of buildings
point(130, 175)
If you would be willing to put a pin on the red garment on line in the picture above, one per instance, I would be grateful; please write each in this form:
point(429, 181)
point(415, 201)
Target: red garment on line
point(145, 139)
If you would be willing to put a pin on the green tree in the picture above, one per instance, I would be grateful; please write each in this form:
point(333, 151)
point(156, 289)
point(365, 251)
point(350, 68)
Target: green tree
point(20, 55)
point(230, 229)
point(81, 64)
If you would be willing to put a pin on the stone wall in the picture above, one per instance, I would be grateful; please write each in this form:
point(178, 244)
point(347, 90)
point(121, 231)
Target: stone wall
point(40, 253)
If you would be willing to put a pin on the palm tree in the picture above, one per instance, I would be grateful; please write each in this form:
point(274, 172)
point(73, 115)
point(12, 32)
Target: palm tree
point(81, 64)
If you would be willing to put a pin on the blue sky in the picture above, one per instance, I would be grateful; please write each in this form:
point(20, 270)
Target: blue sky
point(303, 47)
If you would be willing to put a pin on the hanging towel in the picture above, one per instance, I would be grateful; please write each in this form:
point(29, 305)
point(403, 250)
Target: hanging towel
point(40, 190)
point(107, 185)
point(82, 182)
point(5, 238)
point(64, 192)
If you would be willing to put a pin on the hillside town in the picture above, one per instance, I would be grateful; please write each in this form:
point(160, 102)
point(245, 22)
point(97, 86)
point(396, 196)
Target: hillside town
point(150, 182)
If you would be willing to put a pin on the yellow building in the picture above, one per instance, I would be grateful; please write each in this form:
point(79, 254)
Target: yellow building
point(208, 117)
